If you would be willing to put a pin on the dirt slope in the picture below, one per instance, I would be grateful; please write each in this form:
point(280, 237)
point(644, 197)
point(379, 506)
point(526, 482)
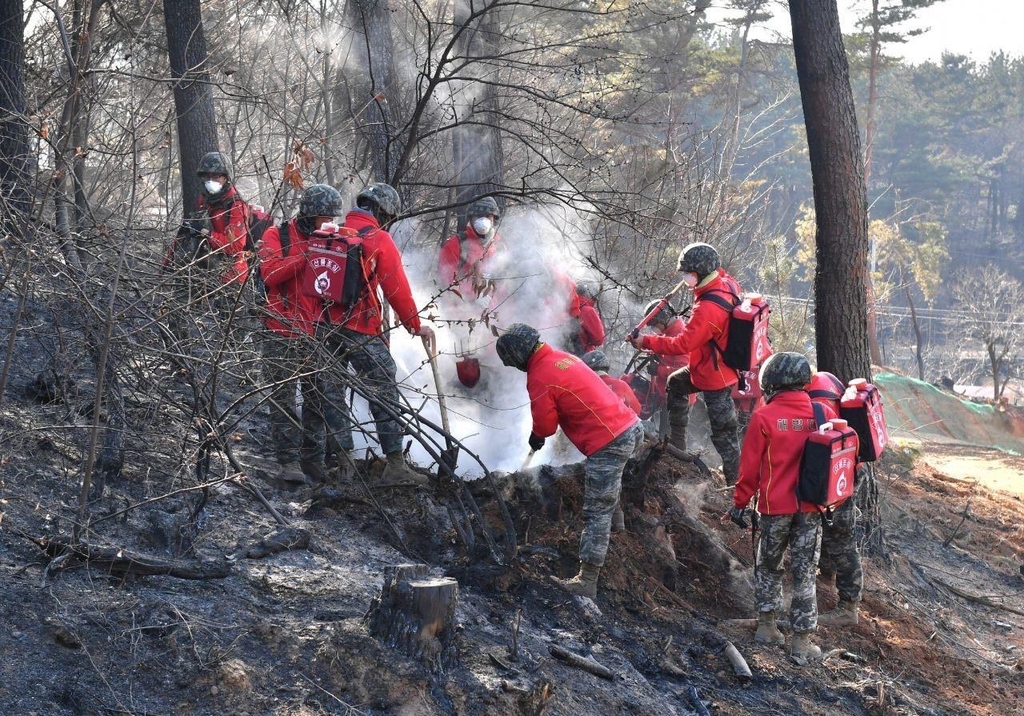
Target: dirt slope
point(942, 633)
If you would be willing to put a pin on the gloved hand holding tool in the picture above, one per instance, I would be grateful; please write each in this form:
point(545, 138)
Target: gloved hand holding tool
point(634, 336)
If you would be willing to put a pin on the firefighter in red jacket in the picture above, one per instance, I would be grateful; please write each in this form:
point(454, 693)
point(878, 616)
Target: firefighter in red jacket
point(840, 553)
point(588, 328)
point(287, 318)
point(773, 450)
point(565, 393)
point(702, 339)
point(354, 334)
point(599, 363)
point(463, 260)
point(229, 215)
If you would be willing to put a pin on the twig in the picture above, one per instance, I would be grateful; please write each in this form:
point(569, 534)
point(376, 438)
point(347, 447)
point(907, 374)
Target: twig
point(581, 662)
point(516, 623)
point(963, 517)
point(350, 707)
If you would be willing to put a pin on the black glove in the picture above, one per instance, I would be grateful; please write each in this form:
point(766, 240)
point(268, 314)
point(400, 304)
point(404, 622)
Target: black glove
point(536, 443)
point(739, 516)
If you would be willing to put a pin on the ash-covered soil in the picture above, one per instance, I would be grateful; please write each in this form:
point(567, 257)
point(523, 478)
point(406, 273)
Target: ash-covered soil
point(283, 633)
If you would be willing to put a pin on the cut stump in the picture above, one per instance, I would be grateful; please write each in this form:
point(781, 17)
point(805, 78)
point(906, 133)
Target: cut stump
point(415, 614)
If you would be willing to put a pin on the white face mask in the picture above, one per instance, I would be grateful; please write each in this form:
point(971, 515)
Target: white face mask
point(482, 225)
point(212, 186)
point(690, 279)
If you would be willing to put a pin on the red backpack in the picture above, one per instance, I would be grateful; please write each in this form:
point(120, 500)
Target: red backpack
point(829, 464)
point(747, 344)
point(334, 265)
point(861, 406)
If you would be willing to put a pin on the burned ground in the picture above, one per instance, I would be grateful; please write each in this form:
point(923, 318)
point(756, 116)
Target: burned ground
point(284, 633)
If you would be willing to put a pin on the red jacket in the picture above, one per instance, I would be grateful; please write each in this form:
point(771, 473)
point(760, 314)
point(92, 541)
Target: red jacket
point(564, 391)
point(708, 322)
point(461, 264)
point(229, 219)
point(288, 311)
point(669, 364)
point(382, 269)
point(591, 334)
point(772, 451)
point(622, 389)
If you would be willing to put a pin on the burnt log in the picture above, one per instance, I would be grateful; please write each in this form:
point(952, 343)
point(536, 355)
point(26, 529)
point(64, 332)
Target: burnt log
point(123, 562)
point(415, 614)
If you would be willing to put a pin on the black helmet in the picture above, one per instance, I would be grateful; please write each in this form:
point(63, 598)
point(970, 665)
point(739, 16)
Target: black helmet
point(517, 344)
point(665, 315)
point(586, 289)
point(214, 163)
point(701, 259)
point(597, 360)
point(484, 207)
point(320, 200)
point(784, 371)
point(382, 200)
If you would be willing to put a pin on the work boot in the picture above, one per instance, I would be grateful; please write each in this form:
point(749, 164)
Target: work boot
point(344, 470)
point(291, 477)
point(677, 437)
point(583, 584)
point(803, 650)
point(767, 631)
point(845, 614)
point(398, 473)
point(618, 520)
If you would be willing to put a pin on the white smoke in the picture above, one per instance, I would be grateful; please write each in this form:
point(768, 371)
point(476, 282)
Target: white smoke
point(539, 245)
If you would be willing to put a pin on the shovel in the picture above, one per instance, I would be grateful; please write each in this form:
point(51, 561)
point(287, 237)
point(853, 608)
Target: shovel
point(450, 455)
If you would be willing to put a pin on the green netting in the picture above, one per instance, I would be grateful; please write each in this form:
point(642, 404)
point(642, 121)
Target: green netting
point(915, 409)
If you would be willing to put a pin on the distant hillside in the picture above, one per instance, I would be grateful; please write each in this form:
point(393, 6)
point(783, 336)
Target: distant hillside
point(919, 411)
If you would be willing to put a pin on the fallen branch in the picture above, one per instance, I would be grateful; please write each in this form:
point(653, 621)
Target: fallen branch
point(124, 562)
point(581, 662)
point(976, 598)
point(739, 664)
point(963, 517)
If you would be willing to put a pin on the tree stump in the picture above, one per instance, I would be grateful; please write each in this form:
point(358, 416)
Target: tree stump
point(415, 613)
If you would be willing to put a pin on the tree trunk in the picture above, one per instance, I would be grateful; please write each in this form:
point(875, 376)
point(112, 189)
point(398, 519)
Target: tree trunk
point(375, 85)
point(918, 338)
point(193, 94)
point(476, 141)
point(14, 144)
point(840, 199)
point(415, 613)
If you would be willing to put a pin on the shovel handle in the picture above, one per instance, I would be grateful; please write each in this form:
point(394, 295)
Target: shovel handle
point(428, 345)
point(528, 460)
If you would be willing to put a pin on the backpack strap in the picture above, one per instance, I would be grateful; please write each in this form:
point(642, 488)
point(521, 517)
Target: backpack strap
point(827, 513)
point(819, 414)
point(284, 234)
point(727, 306)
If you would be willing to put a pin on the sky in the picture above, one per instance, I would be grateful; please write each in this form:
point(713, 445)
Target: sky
point(975, 28)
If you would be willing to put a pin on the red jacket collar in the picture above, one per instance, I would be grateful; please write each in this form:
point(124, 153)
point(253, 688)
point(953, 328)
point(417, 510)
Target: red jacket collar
point(538, 355)
point(716, 284)
point(359, 219)
point(793, 398)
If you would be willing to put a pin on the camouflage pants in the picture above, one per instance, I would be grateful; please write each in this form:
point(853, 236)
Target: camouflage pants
point(602, 482)
point(369, 357)
point(721, 416)
point(283, 360)
point(839, 550)
point(801, 533)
